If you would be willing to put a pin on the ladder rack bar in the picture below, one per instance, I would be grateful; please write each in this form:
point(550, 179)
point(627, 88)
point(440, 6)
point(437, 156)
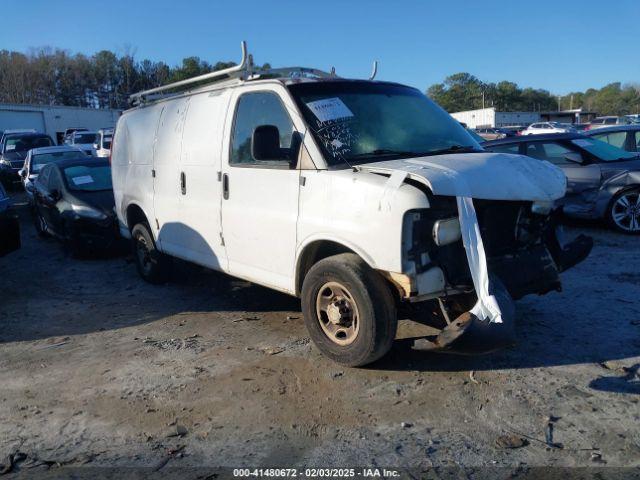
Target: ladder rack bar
point(207, 76)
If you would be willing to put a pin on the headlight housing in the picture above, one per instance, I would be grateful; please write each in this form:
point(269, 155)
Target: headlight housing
point(541, 207)
point(88, 212)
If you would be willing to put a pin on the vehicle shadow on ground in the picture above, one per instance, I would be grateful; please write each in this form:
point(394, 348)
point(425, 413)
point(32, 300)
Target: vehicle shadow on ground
point(84, 296)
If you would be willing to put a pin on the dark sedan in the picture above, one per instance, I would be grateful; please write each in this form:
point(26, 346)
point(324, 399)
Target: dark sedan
point(626, 137)
point(603, 181)
point(74, 202)
point(14, 151)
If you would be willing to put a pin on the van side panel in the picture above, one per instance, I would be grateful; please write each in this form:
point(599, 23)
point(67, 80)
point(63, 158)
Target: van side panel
point(167, 182)
point(201, 164)
point(132, 163)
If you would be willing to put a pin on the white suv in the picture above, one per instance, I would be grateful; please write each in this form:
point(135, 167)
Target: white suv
point(353, 195)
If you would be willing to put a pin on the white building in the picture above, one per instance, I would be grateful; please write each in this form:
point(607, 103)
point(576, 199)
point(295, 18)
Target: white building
point(54, 120)
point(489, 117)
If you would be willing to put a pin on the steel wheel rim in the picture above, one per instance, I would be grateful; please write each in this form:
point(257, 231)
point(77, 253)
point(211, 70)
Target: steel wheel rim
point(144, 255)
point(337, 313)
point(625, 212)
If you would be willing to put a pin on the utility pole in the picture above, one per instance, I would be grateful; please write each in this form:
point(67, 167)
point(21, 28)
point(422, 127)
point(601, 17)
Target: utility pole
point(559, 97)
point(483, 99)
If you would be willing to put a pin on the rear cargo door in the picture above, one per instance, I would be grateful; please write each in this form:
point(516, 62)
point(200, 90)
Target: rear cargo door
point(201, 188)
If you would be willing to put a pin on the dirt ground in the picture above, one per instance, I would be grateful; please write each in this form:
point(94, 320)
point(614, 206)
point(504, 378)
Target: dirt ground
point(98, 368)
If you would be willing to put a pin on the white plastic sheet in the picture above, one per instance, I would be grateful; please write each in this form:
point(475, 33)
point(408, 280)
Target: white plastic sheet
point(486, 308)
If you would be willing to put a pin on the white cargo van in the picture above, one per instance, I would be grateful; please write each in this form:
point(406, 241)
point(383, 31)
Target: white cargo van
point(354, 195)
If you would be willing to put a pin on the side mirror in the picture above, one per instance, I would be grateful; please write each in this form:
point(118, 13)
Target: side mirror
point(22, 173)
point(95, 145)
point(574, 157)
point(265, 144)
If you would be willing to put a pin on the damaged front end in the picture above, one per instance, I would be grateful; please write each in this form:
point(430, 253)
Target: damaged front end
point(504, 250)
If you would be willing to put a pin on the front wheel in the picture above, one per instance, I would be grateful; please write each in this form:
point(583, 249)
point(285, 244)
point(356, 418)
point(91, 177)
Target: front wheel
point(152, 265)
point(624, 211)
point(40, 223)
point(349, 310)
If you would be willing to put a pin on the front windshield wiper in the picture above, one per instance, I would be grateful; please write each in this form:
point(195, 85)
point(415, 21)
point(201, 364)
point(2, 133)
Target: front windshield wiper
point(454, 149)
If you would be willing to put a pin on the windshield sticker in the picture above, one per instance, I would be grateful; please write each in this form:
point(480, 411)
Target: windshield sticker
point(582, 142)
point(83, 180)
point(11, 147)
point(329, 109)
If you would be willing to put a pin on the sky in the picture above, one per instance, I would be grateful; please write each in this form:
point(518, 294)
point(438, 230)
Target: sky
point(561, 45)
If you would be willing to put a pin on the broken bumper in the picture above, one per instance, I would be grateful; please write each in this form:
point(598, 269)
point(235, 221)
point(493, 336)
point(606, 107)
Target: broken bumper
point(498, 280)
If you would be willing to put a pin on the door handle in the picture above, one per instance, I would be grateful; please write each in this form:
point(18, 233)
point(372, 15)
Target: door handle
point(225, 186)
point(183, 183)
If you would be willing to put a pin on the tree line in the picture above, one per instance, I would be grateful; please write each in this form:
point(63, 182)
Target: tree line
point(105, 80)
point(463, 91)
point(49, 76)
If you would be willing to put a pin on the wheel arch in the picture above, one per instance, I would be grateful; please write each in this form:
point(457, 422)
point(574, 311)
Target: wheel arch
point(134, 215)
point(318, 249)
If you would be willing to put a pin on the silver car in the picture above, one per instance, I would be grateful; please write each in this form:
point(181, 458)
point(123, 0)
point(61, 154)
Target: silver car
point(603, 181)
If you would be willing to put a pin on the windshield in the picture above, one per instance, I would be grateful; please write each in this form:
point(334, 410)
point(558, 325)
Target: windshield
point(84, 138)
point(23, 144)
point(39, 161)
point(603, 150)
point(366, 122)
point(88, 178)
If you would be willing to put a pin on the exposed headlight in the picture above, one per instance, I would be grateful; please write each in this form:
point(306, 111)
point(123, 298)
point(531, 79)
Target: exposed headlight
point(446, 231)
point(541, 208)
point(5, 162)
point(88, 212)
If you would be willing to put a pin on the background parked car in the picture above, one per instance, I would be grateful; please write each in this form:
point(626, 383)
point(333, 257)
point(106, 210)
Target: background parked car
point(74, 202)
point(69, 131)
point(542, 128)
point(512, 131)
point(102, 146)
point(489, 133)
point(37, 158)
point(84, 140)
point(14, 131)
point(9, 225)
point(626, 137)
point(14, 152)
point(608, 121)
point(602, 181)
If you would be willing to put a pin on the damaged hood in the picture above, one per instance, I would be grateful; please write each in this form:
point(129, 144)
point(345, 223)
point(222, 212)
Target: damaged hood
point(482, 175)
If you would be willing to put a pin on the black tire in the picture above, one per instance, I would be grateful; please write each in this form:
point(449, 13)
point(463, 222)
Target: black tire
point(40, 223)
point(375, 306)
point(615, 208)
point(152, 265)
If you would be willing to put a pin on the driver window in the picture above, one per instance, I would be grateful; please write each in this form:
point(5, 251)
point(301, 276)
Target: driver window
point(53, 182)
point(253, 110)
point(550, 151)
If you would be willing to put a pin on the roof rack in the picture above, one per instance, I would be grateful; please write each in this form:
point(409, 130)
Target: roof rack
point(243, 67)
point(243, 71)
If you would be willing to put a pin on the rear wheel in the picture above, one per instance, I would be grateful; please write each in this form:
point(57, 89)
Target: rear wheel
point(624, 211)
point(152, 265)
point(348, 310)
